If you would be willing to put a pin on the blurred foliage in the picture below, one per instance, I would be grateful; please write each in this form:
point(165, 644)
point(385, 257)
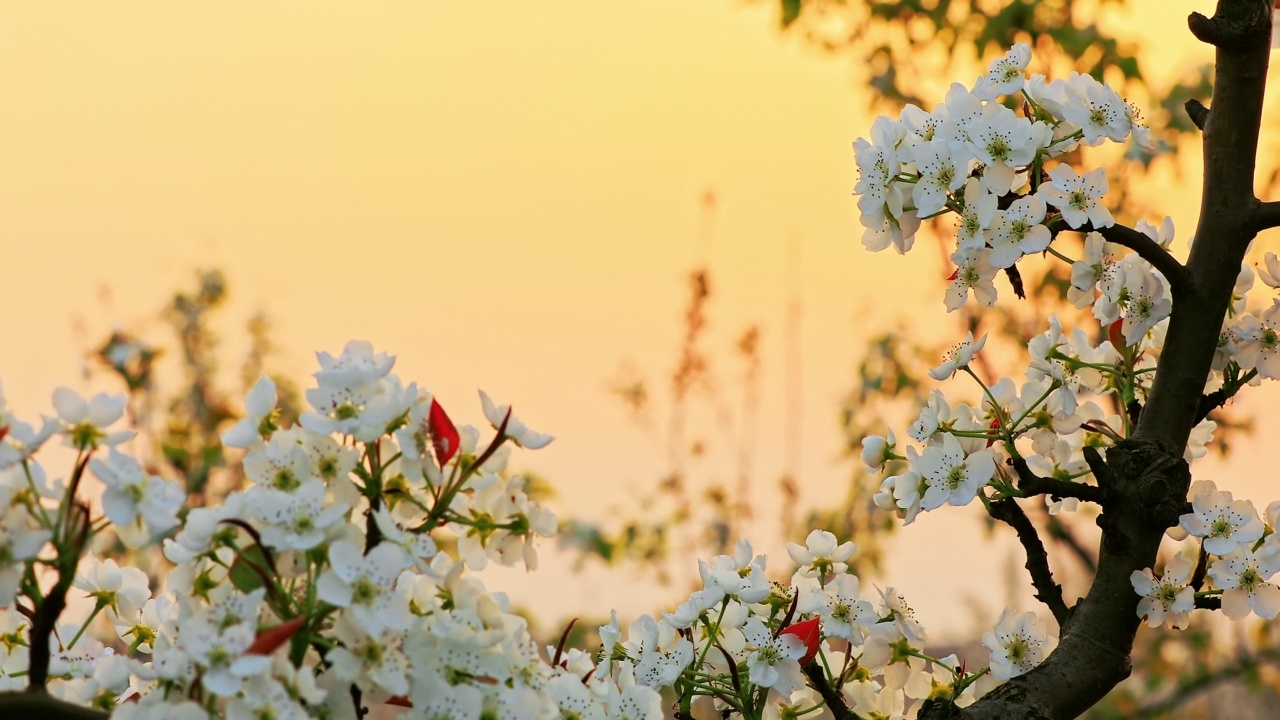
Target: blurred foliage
point(185, 438)
point(906, 45)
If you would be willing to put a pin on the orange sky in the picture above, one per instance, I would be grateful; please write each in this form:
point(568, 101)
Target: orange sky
point(505, 195)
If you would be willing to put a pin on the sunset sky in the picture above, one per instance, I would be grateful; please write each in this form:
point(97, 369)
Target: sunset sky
point(504, 195)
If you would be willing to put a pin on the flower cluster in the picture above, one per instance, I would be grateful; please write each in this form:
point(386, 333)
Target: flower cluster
point(321, 585)
point(999, 171)
point(322, 575)
point(749, 643)
point(993, 168)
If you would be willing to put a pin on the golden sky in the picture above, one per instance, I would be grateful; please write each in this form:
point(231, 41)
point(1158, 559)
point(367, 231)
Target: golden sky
point(505, 195)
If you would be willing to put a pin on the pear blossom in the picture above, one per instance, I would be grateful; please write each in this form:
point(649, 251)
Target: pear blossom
point(902, 493)
point(137, 503)
point(281, 463)
point(122, 591)
point(774, 661)
point(1017, 644)
point(364, 585)
point(878, 165)
point(19, 542)
point(1163, 235)
point(941, 174)
point(877, 450)
point(952, 476)
point(297, 520)
point(1005, 75)
point(934, 416)
point(1166, 600)
point(820, 555)
point(1199, 439)
point(1242, 574)
point(958, 357)
point(900, 232)
point(1095, 272)
point(516, 429)
point(1018, 231)
point(1004, 142)
point(1077, 196)
point(19, 440)
point(1097, 110)
point(980, 208)
point(1270, 274)
point(894, 606)
point(975, 272)
point(219, 650)
point(371, 661)
point(740, 575)
point(1147, 301)
point(417, 545)
point(357, 365)
point(1258, 345)
point(961, 108)
point(844, 613)
point(85, 422)
point(1222, 521)
point(258, 422)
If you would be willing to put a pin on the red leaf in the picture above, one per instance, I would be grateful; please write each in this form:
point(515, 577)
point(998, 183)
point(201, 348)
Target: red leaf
point(399, 701)
point(4, 430)
point(268, 640)
point(444, 436)
point(1115, 333)
point(809, 633)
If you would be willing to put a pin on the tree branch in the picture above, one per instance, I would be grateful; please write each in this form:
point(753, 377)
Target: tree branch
point(1149, 250)
point(1266, 215)
point(1209, 602)
point(1236, 29)
point(1032, 484)
point(38, 704)
point(1198, 113)
point(1048, 592)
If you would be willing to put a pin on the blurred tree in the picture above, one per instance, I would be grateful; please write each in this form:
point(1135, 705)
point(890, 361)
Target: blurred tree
point(197, 410)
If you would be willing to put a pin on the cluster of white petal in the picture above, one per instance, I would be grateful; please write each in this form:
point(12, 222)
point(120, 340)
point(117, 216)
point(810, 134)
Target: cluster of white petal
point(320, 574)
point(1001, 173)
point(993, 168)
point(739, 634)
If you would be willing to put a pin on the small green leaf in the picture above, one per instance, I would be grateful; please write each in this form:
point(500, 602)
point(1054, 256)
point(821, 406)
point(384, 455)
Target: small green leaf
point(790, 11)
point(243, 575)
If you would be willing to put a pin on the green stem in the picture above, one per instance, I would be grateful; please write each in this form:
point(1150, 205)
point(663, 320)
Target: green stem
point(97, 608)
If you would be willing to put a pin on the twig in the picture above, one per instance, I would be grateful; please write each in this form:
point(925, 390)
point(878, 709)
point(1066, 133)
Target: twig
point(1147, 249)
point(1209, 602)
point(831, 696)
point(1031, 484)
point(1198, 113)
point(1240, 27)
point(1047, 591)
point(1266, 215)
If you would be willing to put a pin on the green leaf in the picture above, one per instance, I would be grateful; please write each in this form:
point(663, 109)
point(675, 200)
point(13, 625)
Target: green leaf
point(790, 11)
point(242, 573)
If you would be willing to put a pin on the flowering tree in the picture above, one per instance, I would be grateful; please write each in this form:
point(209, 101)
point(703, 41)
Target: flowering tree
point(1181, 341)
point(344, 574)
